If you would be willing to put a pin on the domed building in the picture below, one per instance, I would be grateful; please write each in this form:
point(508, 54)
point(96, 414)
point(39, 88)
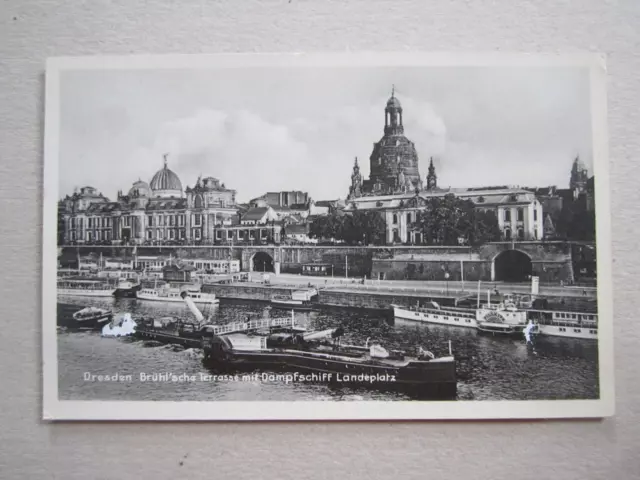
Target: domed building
point(156, 213)
point(140, 189)
point(165, 183)
point(394, 160)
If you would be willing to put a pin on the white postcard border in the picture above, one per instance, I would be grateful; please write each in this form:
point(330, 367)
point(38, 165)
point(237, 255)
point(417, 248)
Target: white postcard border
point(55, 409)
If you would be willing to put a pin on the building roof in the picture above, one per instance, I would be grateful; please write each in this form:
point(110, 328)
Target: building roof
point(98, 208)
point(165, 179)
point(255, 213)
point(487, 197)
point(167, 204)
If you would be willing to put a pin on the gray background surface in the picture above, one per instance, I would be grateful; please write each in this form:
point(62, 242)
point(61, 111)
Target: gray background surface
point(31, 31)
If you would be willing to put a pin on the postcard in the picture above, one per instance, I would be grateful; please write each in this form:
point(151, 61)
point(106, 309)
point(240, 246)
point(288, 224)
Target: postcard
point(353, 236)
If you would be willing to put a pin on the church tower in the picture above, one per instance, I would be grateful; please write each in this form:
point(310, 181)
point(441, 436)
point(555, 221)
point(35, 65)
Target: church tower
point(394, 160)
point(432, 178)
point(579, 177)
point(355, 190)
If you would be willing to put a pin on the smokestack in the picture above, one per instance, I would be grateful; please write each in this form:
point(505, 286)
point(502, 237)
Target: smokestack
point(192, 306)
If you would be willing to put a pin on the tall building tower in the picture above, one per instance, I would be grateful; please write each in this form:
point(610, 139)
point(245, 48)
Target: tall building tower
point(432, 178)
point(394, 160)
point(579, 177)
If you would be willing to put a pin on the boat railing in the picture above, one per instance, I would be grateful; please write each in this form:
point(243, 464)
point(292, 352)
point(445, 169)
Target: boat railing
point(568, 323)
point(257, 324)
point(458, 312)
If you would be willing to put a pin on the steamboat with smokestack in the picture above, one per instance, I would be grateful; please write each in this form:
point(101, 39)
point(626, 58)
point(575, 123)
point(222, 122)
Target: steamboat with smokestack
point(320, 355)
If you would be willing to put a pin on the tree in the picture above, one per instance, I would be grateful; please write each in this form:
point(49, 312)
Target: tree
point(366, 227)
point(446, 220)
point(576, 222)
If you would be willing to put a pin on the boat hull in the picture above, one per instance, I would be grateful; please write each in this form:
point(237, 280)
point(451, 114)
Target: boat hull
point(97, 321)
point(291, 306)
point(153, 298)
point(567, 332)
point(434, 379)
point(440, 318)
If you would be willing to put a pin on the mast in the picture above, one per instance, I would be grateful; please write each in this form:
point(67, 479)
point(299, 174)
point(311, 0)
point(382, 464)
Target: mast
point(478, 301)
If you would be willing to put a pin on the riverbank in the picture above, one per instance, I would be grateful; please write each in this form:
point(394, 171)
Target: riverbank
point(359, 296)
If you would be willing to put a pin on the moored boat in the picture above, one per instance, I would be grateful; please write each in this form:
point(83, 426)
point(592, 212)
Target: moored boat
point(551, 323)
point(171, 294)
point(298, 300)
point(509, 317)
point(127, 288)
point(92, 317)
point(282, 301)
point(328, 361)
point(498, 318)
point(85, 288)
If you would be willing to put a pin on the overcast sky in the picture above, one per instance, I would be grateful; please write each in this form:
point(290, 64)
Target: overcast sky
point(271, 129)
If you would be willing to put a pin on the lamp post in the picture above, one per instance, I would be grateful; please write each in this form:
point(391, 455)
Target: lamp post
point(446, 277)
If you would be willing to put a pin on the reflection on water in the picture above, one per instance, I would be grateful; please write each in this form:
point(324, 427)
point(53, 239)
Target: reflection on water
point(489, 368)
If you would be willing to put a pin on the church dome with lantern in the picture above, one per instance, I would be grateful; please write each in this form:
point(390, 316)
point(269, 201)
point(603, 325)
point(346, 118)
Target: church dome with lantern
point(165, 183)
point(394, 160)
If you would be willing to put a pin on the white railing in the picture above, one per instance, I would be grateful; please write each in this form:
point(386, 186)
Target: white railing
point(238, 327)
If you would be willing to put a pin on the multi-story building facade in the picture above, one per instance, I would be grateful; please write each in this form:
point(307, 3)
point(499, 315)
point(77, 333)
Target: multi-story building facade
point(396, 190)
point(156, 212)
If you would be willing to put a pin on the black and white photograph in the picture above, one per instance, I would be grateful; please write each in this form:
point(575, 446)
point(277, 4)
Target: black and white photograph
point(326, 236)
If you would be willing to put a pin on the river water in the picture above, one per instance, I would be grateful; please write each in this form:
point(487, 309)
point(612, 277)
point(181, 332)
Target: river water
point(489, 368)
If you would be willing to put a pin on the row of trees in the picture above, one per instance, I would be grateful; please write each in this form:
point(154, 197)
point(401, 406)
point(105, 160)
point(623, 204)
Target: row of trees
point(443, 221)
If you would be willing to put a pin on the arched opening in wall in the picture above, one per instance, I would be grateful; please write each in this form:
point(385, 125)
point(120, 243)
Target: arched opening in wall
point(512, 266)
point(262, 262)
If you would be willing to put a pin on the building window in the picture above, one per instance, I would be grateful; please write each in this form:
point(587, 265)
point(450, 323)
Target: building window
point(396, 235)
point(520, 214)
point(150, 220)
point(409, 217)
point(73, 236)
point(107, 235)
point(98, 237)
point(395, 219)
point(181, 234)
point(89, 222)
point(160, 220)
point(507, 215)
point(521, 234)
point(159, 234)
point(172, 235)
point(240, 234)
point(198, 203)
point(197, 235)
point(535, 234)
point(218, 234)
point(181, 220)
point(149, 234)
point(507, 234)
point(89, 236)
point(535, 214)
point(197, 220)
point(229, 234)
